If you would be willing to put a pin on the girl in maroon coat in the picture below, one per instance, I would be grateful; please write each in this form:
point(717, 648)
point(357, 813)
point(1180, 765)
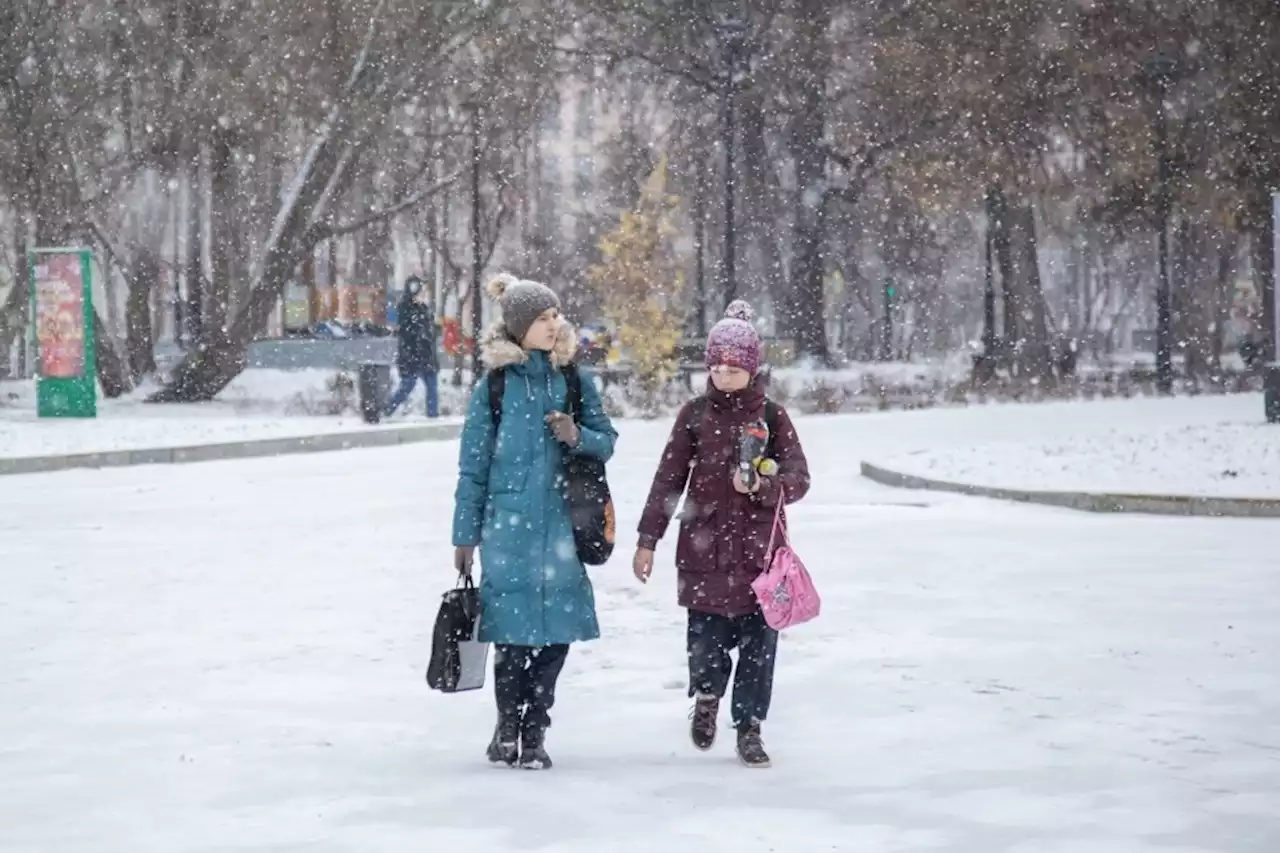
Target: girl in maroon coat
point(724, 531)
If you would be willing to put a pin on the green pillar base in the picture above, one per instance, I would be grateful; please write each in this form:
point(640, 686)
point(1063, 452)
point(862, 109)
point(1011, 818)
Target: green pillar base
point(66, 398)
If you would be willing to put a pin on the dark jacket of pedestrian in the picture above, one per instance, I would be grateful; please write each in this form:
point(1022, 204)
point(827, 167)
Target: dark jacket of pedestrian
point(416, 337)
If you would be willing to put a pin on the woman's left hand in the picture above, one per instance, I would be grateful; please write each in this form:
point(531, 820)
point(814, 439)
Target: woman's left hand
point(563, 428)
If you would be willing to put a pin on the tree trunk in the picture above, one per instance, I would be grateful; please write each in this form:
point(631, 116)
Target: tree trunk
point(113, 372)
point(139, 343)
point(1263, 261)
point(1035, 344)
point(222, 233)
point(381, 249)
point(807, 128)
point(167, 315)
point(1185, 277)
point(195, 250)
point(701, 190)
point(1222, 303)
point(759, 214)
point(989, 279)
point(1002, 242)
point(208, 369)
point(13, 313)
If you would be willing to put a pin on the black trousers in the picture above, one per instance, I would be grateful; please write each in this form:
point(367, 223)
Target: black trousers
point(710, 638)
point(524, 682)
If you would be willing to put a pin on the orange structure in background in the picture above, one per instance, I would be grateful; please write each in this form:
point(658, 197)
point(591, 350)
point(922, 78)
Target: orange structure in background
point(349, 304)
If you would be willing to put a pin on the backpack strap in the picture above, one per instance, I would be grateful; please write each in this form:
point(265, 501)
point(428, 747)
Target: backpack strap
point(573, 398)
point(497, 387)
point(697, 410)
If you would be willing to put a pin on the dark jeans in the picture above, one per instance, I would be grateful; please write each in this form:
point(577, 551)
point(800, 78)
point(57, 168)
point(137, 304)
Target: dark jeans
point(430, 380)
point(710, 638)
point(524, 682)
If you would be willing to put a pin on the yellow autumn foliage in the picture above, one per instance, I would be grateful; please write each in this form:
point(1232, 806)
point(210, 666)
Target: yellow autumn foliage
point(639, 283)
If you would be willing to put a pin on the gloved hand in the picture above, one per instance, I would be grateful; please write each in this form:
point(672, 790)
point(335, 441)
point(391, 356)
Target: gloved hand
point(563, 428)
point(463, 557)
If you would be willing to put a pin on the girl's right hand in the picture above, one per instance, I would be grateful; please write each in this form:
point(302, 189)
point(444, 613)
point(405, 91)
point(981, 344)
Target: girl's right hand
point(642, 564)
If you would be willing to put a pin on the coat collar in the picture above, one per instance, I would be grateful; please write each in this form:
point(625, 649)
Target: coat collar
point(748, 400)
point(498, 351)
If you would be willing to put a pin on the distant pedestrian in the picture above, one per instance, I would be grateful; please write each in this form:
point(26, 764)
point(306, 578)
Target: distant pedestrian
point(416, 352)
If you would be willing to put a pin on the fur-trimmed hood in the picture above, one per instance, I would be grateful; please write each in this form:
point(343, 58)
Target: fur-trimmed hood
point(497, 350)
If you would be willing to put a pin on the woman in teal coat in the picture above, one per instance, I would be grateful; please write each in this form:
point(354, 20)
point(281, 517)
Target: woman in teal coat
point(536, 597)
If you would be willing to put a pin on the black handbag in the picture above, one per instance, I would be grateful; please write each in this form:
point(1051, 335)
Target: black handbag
point(458, 660)
point(586, 491)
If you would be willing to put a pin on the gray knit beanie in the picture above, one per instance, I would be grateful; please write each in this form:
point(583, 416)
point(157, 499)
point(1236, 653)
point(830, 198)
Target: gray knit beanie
point(522, 302)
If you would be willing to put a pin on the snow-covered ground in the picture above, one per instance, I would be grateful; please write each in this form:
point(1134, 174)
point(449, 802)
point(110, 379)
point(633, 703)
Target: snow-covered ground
point(314, 391)
point(229, 657)
point(1219, 446)
point(131, 424)
point(133, 427)
point(296, 393)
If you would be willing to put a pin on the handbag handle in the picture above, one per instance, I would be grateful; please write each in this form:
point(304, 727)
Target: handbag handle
point(778, 524)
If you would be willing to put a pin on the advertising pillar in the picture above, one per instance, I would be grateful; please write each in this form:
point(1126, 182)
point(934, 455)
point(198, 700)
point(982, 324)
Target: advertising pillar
point(62, 326)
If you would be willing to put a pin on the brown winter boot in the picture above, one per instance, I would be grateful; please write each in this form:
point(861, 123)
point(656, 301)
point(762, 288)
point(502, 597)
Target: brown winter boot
point(751, 748)
point(702, 729)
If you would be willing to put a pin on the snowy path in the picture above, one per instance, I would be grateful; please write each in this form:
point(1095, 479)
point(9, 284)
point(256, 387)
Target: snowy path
point(228, 657)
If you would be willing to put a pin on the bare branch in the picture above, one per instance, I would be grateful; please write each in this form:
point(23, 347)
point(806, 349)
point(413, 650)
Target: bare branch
point(386, 213)
point(708, 83)
point(112, 253)
point(862, 163)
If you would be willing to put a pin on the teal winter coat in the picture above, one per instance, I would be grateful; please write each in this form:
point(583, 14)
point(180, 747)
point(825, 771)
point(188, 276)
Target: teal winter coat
point(534, 591)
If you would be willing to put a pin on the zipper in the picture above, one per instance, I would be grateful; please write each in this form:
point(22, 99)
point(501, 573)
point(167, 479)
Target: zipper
point(542, 582)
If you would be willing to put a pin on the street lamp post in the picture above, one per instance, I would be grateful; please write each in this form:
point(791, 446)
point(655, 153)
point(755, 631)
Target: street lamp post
point(732, 33)
point(1160, 70)
point(477, 317)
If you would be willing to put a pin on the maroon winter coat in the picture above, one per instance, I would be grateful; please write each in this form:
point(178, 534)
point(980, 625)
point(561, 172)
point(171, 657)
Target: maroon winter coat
point(723, 534)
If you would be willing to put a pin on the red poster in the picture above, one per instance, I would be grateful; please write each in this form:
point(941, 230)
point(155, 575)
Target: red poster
point(59, 298)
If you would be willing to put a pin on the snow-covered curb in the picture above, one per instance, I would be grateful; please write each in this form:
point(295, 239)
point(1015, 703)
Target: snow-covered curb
point(1211, 448)
point(277, 446)
point(1184, 456)
point(1088, 501)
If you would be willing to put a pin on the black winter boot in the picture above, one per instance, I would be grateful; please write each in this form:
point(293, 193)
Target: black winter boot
point(751, 748)
point(533, 753)
point(505, 746)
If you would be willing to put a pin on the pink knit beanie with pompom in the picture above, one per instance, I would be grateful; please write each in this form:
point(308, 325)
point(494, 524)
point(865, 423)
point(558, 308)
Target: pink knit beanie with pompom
point(734, 340)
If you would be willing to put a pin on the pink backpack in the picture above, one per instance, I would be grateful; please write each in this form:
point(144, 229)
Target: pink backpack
point(784, 589)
